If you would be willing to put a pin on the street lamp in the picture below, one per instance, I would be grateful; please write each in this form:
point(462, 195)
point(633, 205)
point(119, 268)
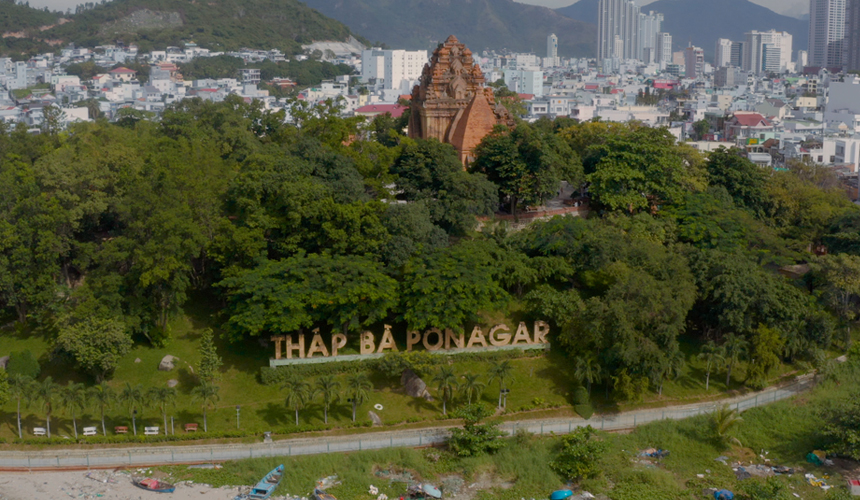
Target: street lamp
point(237, 416)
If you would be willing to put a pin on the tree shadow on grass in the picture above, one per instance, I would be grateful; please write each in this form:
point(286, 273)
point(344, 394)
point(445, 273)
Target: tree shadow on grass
point(420, 405)
point(274, 415)
point(187, 381)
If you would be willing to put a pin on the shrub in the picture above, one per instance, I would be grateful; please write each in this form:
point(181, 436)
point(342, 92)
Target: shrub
point(580, 396)
point(584, 410)
point(23, 363)
point(475, 438)
point(580, 455)
point(423, 363)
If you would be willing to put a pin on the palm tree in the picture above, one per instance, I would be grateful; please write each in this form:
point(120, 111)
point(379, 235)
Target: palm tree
point(725, 419)
point(20, 388)
point(357, 387)
point(735, 347)
point(47, 392)
point(162, 397)
point(207, 394)
point(472, 385)
point(102, 395)
point(298, 394)
point(133, 397)
point(668, 367)
point(712, 355)
point(329, 389)
point(587, 369)
point(446, 385)
point(74, 397)
point(503, 372)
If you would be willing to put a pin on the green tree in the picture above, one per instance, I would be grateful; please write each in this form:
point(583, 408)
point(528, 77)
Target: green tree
point(102, 395)
point(358, 389)
point(74, 397)
point(162, 397)
point(210, 361)
point(96, 345)
point(587, 368)
point(841, 425)
point(701, 129)
point(840, 275)
point(207, 395)
point(725, 421)
point(472, 386)
point(47, 392)
point(712, 355)
point(133, 397)
point(23, 363)
point(766, 346)
point(744, 180)
point(298, 394)
point(21, 388)
point(476, 437)
point(503, 373)
point(735, 348)
point(329, 390)
point(446, 384)
point(580, 455)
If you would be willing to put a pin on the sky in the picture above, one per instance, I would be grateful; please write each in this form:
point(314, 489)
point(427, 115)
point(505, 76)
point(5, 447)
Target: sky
point(794, 8)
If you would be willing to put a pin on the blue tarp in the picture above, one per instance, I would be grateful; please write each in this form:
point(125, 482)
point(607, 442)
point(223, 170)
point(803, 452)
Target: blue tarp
point(560, 495)
point(724, 495)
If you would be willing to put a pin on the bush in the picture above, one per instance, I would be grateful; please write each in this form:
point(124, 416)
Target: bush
point(584, 410)
point(423, 363)
point(580, 455)
point(23, 363)
point(580, 396)
point(475, 438)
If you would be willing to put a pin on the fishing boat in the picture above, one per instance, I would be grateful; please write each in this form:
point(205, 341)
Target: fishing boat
point(560, 494)
point(322, 495)
point(152, 484)
point(266, 486)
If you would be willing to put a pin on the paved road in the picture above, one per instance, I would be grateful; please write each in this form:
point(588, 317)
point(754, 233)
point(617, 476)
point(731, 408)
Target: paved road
point(156, 455)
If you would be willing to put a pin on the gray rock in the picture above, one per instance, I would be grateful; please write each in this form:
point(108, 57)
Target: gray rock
point(137, 360)
point(172, 383)
point(414, 386)
point(374, 418)
point(167, 363)
point(4, 361)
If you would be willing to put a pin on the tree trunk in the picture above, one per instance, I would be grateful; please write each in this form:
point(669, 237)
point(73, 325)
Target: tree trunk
point(205, 429)
point(20, 436)
point(75, 424)
point(707, 379)
point(134, 424)
point(729, 376)
point(444, 407)
point(353, 411)
point(325, 414)
point(164, 414)
point(297, 416)
point(500, 397)
point(49, 425)
point(104, 431)
point(588, 386)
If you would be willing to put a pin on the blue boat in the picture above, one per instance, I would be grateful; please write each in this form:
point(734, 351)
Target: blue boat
point(266, 486)
point(560, 494)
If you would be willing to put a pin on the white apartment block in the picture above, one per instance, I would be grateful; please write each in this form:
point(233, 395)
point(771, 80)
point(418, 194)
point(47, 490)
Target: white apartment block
point(767, 52)
point(694, 62)
point(826, 32)
point(663, 48)
point(723, 53)
point(525, 81)
point(617, 20)
point(843, 104)
point(649, 26)
point(394, 69)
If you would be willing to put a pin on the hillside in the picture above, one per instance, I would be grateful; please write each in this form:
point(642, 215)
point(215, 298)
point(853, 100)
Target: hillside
point(20, 25)
point(480, 24)
point(215, 24)
point(704, 21)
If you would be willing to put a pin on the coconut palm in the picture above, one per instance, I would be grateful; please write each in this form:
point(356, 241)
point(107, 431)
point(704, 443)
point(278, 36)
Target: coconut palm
point(207, 394)
point(298, 394)
point(132, 396)
point(587, 369)
point(734, 349)
point(74, 397)
point(329, 389)
point(472, 386)
point(102, 395)
point(712, 355)
point(47, 393)
point(725, 419)
point(20, 389)
point(357, 388)
point(446, 384)
point(162, 397)
point(502, 372)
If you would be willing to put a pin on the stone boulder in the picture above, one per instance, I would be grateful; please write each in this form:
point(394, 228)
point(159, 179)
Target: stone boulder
point(4, 361)
point(172, 383)
point(414, 386)
point(167, 363)
point(374, 418)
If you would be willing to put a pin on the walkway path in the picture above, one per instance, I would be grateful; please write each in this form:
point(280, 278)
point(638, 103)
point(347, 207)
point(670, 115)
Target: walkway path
point(158, 455)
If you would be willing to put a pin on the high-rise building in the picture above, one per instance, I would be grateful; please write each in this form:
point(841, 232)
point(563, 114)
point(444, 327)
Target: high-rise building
point(852, 35)
point(802, 59)
point(826, 32)
point(552, 46)
point(617, 20)
point(649, 25)
point(694, 62)
point(663, 49)
point(767, 52)
point(737, 57)
point(723, 54)
point(396, 69)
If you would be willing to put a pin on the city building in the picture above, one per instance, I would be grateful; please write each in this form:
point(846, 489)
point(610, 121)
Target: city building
point(552, 46)
point(843, 104)
point(737, 55)
point(250, 75)
point(767, 51)
point(524, 81)
point(663, 52)
point(826, 32)
point(617, 26)
point(723, 53)
point(650, 25)
point(802, 60)
point(852, 36)
point(393, 69)
point(694, 62)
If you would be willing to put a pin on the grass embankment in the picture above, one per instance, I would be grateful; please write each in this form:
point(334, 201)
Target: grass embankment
point(787, 431)
point(540, 382)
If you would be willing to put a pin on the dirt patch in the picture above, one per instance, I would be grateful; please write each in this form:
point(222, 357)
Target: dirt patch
point(143, 20)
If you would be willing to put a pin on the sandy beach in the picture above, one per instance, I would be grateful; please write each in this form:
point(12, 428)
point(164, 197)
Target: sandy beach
point(106, 485)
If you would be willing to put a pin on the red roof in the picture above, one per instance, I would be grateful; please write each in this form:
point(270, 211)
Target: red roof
point(123, 70)
point(751, 120)
point(526, 97)
point(592, 87)
point(408, 97)
point(396, 110)
point(616, 91)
